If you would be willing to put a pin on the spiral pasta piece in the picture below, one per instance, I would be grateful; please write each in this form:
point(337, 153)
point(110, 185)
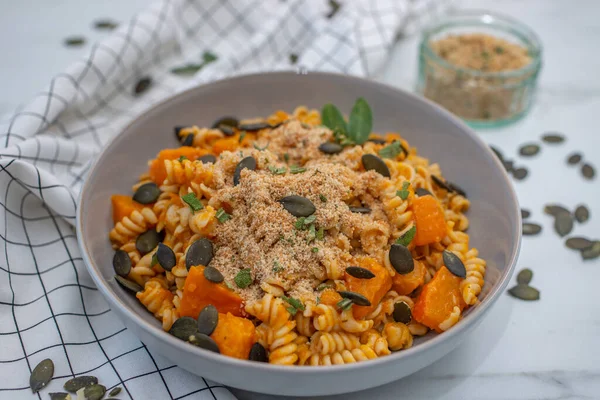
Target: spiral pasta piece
point(130, 227)
point(270, 310)
point(361, 353)
point(283, 348)
point(328, 343)
point(452, 319)
point(397, 335)
point(472, 284)
point(326, 318)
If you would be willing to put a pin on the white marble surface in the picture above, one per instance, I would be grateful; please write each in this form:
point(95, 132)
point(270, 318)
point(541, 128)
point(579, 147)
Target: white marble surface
point(543, 350)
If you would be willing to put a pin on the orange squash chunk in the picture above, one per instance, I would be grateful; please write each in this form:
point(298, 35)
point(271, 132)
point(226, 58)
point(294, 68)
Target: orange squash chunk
point(234, 335)
point(429, 220)
point(158, 173)
point(198, 292)
point(123, 206)
point(406, 284)
point(438, 298)
point(232, 143)
point(330, 297)
point(373, 289)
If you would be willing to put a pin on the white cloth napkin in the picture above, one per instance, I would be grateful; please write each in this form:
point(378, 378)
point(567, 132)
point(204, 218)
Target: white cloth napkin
point(49, 307)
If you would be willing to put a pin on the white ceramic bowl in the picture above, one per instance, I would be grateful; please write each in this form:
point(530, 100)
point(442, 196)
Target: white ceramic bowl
point(495, 221)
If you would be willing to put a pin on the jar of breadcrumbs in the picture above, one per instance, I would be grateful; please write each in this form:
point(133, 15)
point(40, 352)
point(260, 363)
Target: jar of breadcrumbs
point(482, 67)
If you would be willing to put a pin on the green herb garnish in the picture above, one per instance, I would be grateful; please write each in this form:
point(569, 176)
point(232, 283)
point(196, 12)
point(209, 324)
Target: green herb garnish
point(209, 57)
point(299, 224)
point(228, 285)
point(323, 286)
point(277, 171)
point(277, 267)
point(294, 169)
point(391, 150)
point(323, 198)
point(310, 219)
point(499, 50)
point(359, 125)
point(403, 194)
point(333, 119)
point(181, 158)
point(243, 279)
point(312, 233)
point(192, 201)
point(407, 236)
point(222, 216)
point(318, 300)
point(315, 249)
point(242, 136)
point(295, 304)
point(286, 157)
point(344, 304)
point(154, 260)
point(320, 233)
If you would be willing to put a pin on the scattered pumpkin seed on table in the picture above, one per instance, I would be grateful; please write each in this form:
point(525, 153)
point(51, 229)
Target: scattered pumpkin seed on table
point(74, 41)
point(574, 158)
point(524, 292)
point(355, 298)
point(94, 392)
point(208, 319)
point(578, 243)
point(199, 253)
point(402, 312)
point(588, 171)
point(520, 173)
point(553, 137)
point(530, 228)
point(74, 384)
point(359, 272)
point(115, 391)
point(524, 277)
point(582, 214)
point(529, 150)
point(555, 209)
point(525, 213)
point(105, 24)
point(592, 252)
point(60, 396)
point(41, 375)
point(142, 85)
point(563, 224)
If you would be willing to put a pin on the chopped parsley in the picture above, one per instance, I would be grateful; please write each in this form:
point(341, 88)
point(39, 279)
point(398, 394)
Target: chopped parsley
point(310, 219)
point(299, 224)
point(294, 169)
point(295, 304)
point(318, 300)
point(242, 136)
point(320, 233)
point(154, 259)
point(315, 249)
point(192, 201)
point(404, 192)
point(312, 233)
point(407, 236)
point(344, 304)
point(243, 279)
point(286, 157)
point(228, 285)
point(222, 216)
point(323, 286)
point(323, 198)
point(181, 158)
point(277, 267)
point(277, 171)
point(391, 150)
point(499, 50)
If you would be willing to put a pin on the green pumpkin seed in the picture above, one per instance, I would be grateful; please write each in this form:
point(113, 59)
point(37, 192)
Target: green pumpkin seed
point(377, 140)
point(402, 312)
point(115, 391)
point(524, 292)
point(129, 285)
point(248, 163)
point(208, 319)
point(205, 342)
point(142, 85)
point(498, 153)
point(401, 259)
point(372, 162)
point(588, 171)
point(60, 396)
point(574, 158)
point(184, 327)
point(41, 375)
point(360, 273)
point(121, 263)
point(74, 41)
point(582, 214)
point(529, 150)
point(166, 257)
point(208, 159)
point(555, 209)
point(423, 192)
point(356, 298)
point(563, 224)
point(520, 173)
point(258, 353)
point(73, 385)
point(360, 210)
point(553, 137)
point(525, 276)
point(188, 140)
point(199, 253)
point(227, 130)
point(94, 392)
point(105, 24)
point(456, 189)
point(525, 213)
point(227, 121)
point(213, 275)
point(440, 183)
point(176, 130)
point(147, 193)
point(255, 126)
point(454, 264)
point(331, 148)
point(578, 243)
point(298, 206)
point(529, 228)
point(508, 165)
point(591, 252)
point(147, 241)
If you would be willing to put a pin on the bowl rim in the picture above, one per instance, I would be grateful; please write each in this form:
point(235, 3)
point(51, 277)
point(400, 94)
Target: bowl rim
point(464, 325)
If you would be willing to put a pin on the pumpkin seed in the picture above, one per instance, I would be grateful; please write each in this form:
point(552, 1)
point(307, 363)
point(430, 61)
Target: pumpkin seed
point(74, 41)
point(402, 312)
point(73, 385)
point(232, 122)
point(530, 228)
point(525, 213)
point(520, 173)
point(563, 224)
point(454, 264)
point(166, 257)
point(591, 252)
point(205, 342)
point(331, 148)
point(555, 209)
point(456, 189)
point(574, 158)
point(255, 126)
point(377, 140)
point(356, 298)
point(249, 163)
point(423, 192)
point(257, 353)
point(360, 210)
point(60, 396)
point(509, 165)
point(147, 193)
point(227, 130)
point(129, 285)
point(105, 24)
point(142, 85)
point(525, 276)
point(524, 292)
point(41, 375)
point(199, 253)
point(208, 319)
point(178, 129)
point(184, 327)
point(498, 153)
point(298, 206)
point(147, 241)
point(553, 137)
point(188, 140)
point(208, 159)
point(213, 275)
point(94, 392)
point(529, 150)
point(588, 171)
point(578, 243)
point(359, 272)
point(372, 162)
point(121, 263)
point(401, 259)
point(115, 391)
point(440, 183)
point(582, 214)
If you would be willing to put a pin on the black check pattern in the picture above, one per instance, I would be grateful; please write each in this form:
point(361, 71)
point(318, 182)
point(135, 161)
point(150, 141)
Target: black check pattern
point(49, 307)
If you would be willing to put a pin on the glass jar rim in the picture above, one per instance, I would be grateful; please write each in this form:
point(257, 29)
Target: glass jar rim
point(509, 24)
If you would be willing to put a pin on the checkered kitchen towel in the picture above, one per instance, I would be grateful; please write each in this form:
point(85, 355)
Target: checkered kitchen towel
point(49, 307)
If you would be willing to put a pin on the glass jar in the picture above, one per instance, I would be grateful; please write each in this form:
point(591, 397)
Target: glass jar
point(481, 98)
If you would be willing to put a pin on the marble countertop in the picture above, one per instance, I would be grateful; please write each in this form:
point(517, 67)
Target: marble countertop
point(541, 350)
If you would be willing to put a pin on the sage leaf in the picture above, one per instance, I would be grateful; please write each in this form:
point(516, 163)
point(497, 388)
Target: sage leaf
point(360, 122)
point(332, 118)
